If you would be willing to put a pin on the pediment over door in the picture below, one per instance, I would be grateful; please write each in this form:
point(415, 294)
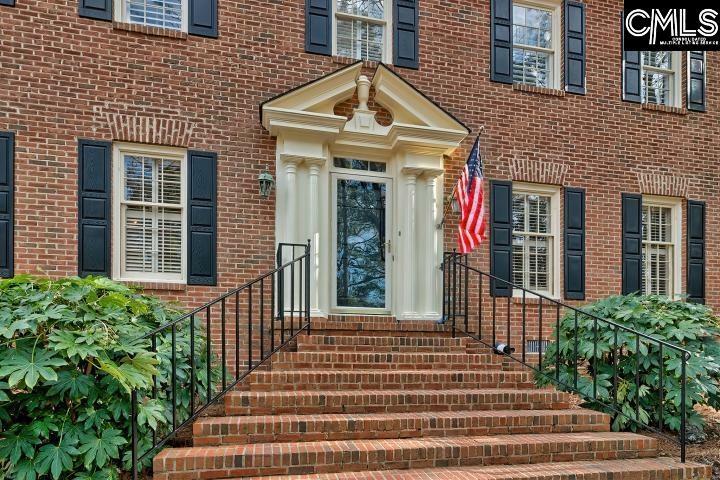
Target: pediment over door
point(418, 123)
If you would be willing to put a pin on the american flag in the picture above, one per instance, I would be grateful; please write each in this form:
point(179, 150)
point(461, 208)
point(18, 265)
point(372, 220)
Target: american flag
point(470, 195)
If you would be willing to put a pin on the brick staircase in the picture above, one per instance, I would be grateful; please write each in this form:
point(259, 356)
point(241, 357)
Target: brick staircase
point(388, 400)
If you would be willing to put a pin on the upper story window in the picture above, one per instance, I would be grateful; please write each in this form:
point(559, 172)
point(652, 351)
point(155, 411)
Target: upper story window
point(154, 13)
point(661, 251)
point(361, 29)
point(150, 217)
point(659, 78)
point(535, 238)
point(535, 45)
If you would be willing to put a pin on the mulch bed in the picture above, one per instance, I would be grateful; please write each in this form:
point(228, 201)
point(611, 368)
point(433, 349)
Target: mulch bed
point(707, 452)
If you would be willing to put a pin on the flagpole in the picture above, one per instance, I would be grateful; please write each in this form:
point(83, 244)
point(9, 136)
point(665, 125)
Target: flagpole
point(448, 202)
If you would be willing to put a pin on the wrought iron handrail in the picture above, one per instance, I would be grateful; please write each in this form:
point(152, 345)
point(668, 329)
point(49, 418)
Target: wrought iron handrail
point(268, 302)
point(458, 287)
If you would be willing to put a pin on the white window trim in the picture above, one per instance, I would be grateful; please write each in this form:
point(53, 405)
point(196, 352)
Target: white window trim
point(554, 193)
point(119, 151)
point(676, 70)
point(675, 204)
point(119, 15)
point(557, 45)
point(387, 20)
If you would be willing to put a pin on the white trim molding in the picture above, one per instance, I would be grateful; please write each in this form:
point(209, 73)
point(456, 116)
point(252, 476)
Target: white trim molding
point(676, 206)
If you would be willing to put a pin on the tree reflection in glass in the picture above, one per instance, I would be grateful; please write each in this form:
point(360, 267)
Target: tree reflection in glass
point(361, 244)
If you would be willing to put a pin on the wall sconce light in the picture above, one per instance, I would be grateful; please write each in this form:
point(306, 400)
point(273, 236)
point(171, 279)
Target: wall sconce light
point(455, 205)
point(266, 181)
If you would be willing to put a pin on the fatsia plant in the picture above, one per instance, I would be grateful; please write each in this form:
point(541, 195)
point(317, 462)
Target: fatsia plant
point(687, 325)
point(69, 356)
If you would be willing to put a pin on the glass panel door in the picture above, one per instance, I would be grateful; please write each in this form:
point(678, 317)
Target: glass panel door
point(360, 227)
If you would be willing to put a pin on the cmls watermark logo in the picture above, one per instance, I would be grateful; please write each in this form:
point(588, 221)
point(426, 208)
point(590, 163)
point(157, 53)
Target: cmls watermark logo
point(664, 26)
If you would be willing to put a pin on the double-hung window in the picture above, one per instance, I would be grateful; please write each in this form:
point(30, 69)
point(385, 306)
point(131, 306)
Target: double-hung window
point(535, 44)
point(661, 251)
point(170, 14)
point(659, 78)
point(361, 29)
point(535, 252)
point(150, 213)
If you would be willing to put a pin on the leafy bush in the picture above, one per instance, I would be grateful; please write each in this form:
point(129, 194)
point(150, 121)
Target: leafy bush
point(69, 356)
point(687, 325)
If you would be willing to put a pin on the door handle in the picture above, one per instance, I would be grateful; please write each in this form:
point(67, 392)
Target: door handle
point(388, 246)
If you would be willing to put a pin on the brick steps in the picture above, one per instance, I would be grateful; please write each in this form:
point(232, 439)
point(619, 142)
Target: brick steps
point(352, 455)
point(391, 401)
point(385, 379)
point(376, 399)
point(635, 469)
point(383, 361)
point(302, 428)
point(381, 344)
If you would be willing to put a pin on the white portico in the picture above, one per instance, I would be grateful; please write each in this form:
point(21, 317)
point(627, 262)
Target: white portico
point(368, 196)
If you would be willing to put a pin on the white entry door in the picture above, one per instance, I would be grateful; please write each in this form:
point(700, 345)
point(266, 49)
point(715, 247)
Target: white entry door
point(362, 252)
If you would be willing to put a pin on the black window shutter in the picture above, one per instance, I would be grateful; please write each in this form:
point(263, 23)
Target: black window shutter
point(97, 9)
point(501, 41)
point(575, 47)
point(575, 244)
point(501, 237)
point(203, 18)
point(7, 197)
point(9, 3)
point(696, 251)
point(318, 26)
point(94, 207)
point(406, 32)
point(632, 270)
point(202, 218)
point(697, 62)
point(631, 71)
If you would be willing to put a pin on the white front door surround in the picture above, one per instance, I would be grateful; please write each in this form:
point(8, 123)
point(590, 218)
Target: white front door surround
point(309, 137)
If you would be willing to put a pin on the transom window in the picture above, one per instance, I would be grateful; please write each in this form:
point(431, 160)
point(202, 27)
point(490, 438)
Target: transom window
point(355, 164)
point(658, 78)
point(533, 46)
point(361, 29)
point(154, 13)
point(534, 238)
point(150, 215)
point(658, 254)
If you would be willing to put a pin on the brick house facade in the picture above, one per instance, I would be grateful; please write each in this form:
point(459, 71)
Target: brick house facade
point(67, 78)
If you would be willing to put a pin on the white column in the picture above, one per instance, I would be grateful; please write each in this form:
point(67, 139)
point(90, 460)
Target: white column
point(430, 245)
point(408, 281)
point(291, 200)
point(313, 206)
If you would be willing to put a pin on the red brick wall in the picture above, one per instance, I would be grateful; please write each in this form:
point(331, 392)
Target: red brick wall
point(64, 77)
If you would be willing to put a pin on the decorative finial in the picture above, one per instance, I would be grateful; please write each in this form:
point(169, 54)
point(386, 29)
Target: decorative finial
point(363, 89)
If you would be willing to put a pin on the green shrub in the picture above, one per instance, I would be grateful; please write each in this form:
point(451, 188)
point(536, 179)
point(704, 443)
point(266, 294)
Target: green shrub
point(69, 356)
point(687, 325)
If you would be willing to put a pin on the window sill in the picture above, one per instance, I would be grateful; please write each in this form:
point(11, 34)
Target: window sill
point(532, 300)
point(371, 64)
point(159, 285)
point(664, 108)
point(553, 92)
point(148, 30)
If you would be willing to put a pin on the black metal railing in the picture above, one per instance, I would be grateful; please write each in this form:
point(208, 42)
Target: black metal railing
point(206, 352)
point(509, 323)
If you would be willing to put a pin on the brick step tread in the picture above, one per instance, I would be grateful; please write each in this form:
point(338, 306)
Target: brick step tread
point(364, 348)
point(365, 325)
point(234, 430)
point(348, 455)
point(386, 360)
point(380, 341)
point(382, 401)
point(385, 379)
point(634, 469)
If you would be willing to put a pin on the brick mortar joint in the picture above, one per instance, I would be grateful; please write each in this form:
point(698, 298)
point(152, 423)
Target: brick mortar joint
point(150, 30)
